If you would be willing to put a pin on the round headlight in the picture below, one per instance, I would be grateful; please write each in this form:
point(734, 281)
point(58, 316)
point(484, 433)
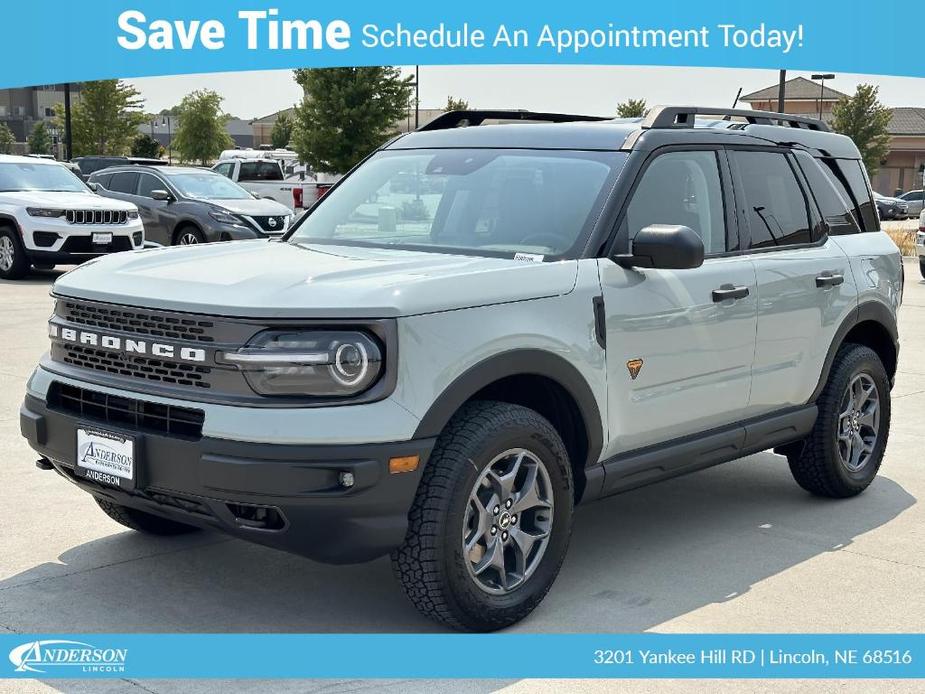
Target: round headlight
point(313, 363)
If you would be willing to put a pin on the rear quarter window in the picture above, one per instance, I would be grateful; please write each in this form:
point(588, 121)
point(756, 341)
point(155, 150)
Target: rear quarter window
point(849, 179)
point(836, 210)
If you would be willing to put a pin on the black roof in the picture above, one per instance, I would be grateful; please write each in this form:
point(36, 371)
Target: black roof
point(664, 126)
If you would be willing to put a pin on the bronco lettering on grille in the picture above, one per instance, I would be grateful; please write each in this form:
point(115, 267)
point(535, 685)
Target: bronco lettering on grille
point(131, 346)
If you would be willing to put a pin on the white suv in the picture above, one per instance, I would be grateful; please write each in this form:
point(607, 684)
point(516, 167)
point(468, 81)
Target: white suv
point(49, 217)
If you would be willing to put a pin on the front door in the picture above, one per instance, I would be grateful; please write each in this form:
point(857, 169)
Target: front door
point(680, 343)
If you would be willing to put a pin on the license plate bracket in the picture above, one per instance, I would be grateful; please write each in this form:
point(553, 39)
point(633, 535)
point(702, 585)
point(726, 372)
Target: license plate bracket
point(106, 457)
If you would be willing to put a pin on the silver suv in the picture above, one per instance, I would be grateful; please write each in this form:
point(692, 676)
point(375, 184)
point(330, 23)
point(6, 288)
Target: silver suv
point(479, 328)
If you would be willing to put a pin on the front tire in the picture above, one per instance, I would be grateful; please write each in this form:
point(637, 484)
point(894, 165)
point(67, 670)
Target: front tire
point(491, 521)
point(143, 522)
point(922, 267)
point(842, 455)
point(13, 262)
point(188, 236)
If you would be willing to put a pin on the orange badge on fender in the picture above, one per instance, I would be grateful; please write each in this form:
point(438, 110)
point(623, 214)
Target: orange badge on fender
point(634, 366)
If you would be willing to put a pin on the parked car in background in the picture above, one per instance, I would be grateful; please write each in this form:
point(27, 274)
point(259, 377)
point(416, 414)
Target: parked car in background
point(49, 217)
point(91, 164)
point(891, 208)
point(265, 175)
point(183, 205)
point(913, 200)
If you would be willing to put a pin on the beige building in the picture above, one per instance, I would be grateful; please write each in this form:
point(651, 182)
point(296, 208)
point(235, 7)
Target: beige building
point(263, 127)
point(902, 168)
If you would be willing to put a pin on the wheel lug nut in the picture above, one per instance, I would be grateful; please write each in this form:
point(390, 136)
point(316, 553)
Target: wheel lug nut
point(514, 519)
point(494, 530)
point(497, 510)
point(508, 503)
point(504, 536)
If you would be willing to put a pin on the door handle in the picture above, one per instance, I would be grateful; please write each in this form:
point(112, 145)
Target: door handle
point(828, 279)
point(728, 291)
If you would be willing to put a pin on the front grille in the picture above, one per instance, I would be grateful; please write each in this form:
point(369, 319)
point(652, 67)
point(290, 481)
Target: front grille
point(96, 216)
point(149, 368)
point(277, 226)
point(125, 412)
point(84, 244)
point(138, 322)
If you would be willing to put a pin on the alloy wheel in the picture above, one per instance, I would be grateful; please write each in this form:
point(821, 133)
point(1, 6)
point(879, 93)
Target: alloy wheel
point(508, 521)
point(188, 239)
point(858, 422)
point(7, 253)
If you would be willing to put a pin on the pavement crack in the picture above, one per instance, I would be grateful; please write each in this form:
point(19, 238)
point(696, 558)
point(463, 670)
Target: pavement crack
point(874, 556)
point(111, 564)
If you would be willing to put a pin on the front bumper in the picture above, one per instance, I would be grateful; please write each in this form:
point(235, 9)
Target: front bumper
point(212, 483)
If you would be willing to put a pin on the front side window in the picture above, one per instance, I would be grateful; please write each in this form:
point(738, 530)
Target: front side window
point(149, 183)
point(260, 171)
point(774, 204)
point(482, 201)
point(19, 177)
point(681, 188)
point(124, 182)
point(224, 169)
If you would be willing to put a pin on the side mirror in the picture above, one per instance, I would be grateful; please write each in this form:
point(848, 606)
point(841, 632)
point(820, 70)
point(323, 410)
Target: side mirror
point(94, 186)
point(664, 246)
point(161, 195)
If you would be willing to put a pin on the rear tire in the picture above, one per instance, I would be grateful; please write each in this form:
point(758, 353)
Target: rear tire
point(842, 455)
point(14, 264)
point(143, 522)
point(483, 546)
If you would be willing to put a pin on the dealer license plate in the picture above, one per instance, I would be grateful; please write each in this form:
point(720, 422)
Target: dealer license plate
point(105, 458)
point(102, 238)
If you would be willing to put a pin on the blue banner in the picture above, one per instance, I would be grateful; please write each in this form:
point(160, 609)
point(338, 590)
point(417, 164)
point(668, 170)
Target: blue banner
point(845, 656)
point(62, 40)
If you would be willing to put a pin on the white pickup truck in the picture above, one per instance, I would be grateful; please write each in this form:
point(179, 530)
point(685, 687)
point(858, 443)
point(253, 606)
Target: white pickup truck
point(265, 177)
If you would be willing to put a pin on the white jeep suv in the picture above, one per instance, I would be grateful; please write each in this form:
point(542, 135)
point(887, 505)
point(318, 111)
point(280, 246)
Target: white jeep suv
point(49, 217)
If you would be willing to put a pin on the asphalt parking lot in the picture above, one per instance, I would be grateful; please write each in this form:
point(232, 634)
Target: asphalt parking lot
point(737, 548)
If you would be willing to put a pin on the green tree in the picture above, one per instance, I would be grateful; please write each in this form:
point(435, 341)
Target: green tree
point(145, 146)
point(282, 131)
point(200, 135)
point(105, 119)
point(39, 141)
point(454, 104)
point(7, 139)
point(632, 108)
point(347, 112)
point(866, 121)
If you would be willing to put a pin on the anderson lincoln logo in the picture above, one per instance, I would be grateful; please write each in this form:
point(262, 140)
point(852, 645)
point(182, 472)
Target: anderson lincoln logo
point(157, 349)
point(56, 655)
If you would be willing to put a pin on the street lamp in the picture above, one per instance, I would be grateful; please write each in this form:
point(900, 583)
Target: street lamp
point(822, 77)
point(166, 121)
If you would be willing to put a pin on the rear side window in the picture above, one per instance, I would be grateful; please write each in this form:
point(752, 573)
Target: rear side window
point(260, 171)
point(848, 178)
point(123, 182)
point(773, 200)
point(836, 210)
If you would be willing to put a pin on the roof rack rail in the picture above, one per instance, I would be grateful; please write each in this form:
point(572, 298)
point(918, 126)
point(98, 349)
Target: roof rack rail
point(457, 119)
point(662, 117)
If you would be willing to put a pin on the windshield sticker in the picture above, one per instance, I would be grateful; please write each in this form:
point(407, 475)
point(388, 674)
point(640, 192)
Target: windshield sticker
point(529, 257)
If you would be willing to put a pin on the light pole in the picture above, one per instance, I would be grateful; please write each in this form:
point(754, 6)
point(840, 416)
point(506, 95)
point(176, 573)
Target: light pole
point(823, 76)
point(417, 101)
point(166, 122)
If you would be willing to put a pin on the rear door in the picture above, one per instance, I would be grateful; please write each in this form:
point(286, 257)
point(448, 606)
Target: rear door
point(680, 343)
point(805, 284)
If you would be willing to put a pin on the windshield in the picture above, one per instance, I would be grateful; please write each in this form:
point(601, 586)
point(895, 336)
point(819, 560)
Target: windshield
point(485, 201)
point(18, 177)
point(208, 186)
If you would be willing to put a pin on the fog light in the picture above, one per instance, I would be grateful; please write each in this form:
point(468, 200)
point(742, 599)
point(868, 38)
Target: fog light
point(346, 479)
point(407, 463)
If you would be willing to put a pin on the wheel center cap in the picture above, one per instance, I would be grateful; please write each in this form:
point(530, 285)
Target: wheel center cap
point(504, 520)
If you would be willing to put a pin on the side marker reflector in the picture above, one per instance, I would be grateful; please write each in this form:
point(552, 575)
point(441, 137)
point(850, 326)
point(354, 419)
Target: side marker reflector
point(407, 463)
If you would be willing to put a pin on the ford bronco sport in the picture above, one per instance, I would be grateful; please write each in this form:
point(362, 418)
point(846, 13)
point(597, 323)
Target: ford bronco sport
point(553, 312)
